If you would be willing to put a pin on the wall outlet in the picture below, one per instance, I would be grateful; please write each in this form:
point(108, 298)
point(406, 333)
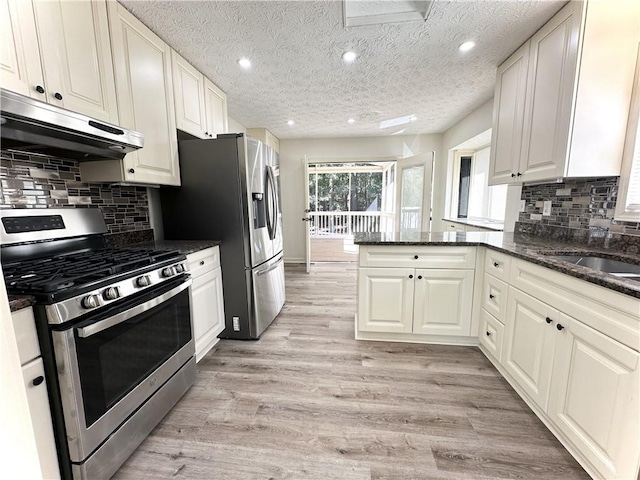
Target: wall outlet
point(546, 208)
point(236, 324)
point(523, 205)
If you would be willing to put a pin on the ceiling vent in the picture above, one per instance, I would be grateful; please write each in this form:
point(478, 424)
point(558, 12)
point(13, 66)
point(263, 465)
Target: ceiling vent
point(366, 12)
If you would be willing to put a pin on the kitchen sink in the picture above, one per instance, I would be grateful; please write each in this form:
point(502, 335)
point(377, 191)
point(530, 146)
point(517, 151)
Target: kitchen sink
point(601, 264)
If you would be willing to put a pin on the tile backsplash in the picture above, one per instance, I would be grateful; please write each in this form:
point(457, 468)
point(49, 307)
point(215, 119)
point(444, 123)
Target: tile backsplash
point(584, 204)
point(47, 182)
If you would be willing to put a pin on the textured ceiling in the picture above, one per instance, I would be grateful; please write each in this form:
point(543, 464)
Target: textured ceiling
point(410, 68)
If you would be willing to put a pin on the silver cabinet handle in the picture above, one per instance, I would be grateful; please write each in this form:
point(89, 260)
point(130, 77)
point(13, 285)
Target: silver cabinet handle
point(98, 327)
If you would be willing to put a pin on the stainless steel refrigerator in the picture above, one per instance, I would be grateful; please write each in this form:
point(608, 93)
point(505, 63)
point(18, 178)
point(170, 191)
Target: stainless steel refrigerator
point(230, 192)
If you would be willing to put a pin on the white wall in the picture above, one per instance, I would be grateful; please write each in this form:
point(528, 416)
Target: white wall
point(292, 153)
point(235, 127)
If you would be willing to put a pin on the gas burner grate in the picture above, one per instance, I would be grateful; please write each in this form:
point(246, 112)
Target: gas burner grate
point(60, 272)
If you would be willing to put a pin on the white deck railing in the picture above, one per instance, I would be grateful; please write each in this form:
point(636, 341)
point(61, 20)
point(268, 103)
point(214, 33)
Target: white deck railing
point(341, 224)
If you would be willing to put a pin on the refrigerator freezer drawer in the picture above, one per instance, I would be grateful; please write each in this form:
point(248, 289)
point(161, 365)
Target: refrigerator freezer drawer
point(268, 293)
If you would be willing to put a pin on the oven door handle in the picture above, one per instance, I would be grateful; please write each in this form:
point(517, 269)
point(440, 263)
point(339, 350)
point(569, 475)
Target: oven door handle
point(97, 327)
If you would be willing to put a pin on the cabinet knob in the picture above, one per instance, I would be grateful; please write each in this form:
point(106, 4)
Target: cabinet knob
point(496, 264)
point(211, 135)
point(131, 170)
point(410, 276)
point(37, 381)
point(488, 334)
point(57, 96)
point(419, 277)
point(206, 133)
point(513, 175)
point(491, 296)
point(415, 257)
point(548, 320)
point(559, 327)
point(518, 174)
point(201, 262)
point(39, 89)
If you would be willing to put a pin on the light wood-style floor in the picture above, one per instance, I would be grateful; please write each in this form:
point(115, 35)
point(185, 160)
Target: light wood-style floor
point(307, 401)
point(333, 249)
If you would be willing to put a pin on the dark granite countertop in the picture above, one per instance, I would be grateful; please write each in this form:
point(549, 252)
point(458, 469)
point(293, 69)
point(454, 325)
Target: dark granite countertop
point(18, 302)
point(527, 247)
point(489, 225)
point(185, 246)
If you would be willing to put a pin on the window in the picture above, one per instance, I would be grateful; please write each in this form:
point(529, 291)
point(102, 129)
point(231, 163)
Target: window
point(473, 197)
point(628, 204)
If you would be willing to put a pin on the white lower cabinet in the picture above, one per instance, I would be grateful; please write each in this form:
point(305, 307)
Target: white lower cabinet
point(594, 398)
point(207, 302)
point(420, 301)
point(529, 344)
point(442, 302)
point(35, 386)
point(385, 300)
point(582, 382)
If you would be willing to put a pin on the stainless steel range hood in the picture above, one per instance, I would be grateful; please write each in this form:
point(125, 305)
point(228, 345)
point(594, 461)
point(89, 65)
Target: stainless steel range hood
point(35, 127)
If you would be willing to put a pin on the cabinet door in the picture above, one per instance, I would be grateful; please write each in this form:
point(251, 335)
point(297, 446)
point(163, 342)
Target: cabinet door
point(208, 310)
point(144, 84)
point(188, 93)
point(594, 398)
point(385, 299)
point(76, 56)
point(41, 417)
point(442, 302)
point(529, 344)
point(19, 53)
point(508, 116)
point(216, 108)
point(550, 87)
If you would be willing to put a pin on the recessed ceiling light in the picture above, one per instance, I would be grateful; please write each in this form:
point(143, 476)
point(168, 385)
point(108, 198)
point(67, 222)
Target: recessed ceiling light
point(351, 121)
point(466, 46)
point(349, 57)
point(290, 122)
point(244, 63)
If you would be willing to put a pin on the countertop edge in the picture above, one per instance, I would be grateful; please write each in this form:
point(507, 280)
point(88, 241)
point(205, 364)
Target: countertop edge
point(19, 302)
point(186, 247)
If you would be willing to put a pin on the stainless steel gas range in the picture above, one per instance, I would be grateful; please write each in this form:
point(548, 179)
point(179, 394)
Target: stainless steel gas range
point(114, 327)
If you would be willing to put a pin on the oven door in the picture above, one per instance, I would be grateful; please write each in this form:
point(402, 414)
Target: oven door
point(111, 362)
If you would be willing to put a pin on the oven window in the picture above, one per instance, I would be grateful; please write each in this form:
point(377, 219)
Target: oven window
point(113, 362)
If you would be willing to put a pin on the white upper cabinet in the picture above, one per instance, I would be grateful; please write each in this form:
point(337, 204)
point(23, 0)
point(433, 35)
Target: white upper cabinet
point(201, 107)
point(216, 109)
point(188, 93)
point(58, 51)
point(508, 115)
point(576, 98)
point(20, 67)
point(144, 84)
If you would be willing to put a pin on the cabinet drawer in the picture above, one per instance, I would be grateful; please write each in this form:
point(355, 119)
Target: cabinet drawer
point(418, 257)
point(26, 336)
point(497, 264)
point(494, 297)
point(490, 334)
point(203, 261)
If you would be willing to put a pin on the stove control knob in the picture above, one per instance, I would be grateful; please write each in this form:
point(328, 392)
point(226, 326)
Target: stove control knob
point(179, 268)
point(110, 293)
point(143, 281)
point(168, 272)
point(90, 301)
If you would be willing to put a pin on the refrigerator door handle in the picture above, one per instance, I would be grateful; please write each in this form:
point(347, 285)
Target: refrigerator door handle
point(272, 209)
point(271, 268)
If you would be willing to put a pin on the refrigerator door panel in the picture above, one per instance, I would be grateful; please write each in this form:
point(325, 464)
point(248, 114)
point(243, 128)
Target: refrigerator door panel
point(268, 293)
point(258, 201)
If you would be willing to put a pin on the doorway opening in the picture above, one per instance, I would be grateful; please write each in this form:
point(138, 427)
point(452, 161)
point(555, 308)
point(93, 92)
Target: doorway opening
point(344, 199)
